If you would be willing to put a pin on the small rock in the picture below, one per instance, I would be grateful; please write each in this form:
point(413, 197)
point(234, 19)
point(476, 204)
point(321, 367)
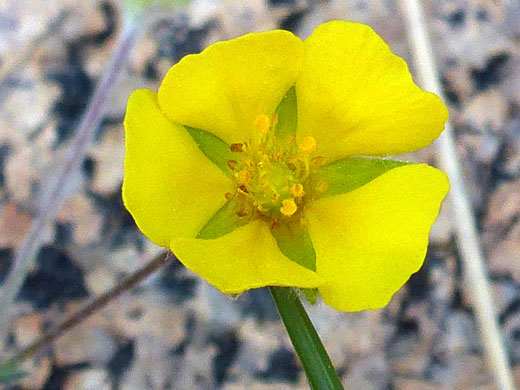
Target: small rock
point(109, 154)
point(487, 110)
point(100, 281)
point(27, 329)
point(404, 383)
point(39, 370)
point(14, 225)
point(56, 279)
point(371, 373)
point(84, 343)
point(80, 212)
point(95, 379)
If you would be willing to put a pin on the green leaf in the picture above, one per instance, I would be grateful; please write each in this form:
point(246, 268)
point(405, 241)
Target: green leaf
point(10, 373)
point(346, 175)
point(223, 222)
point(287, 112)
point(214, 148)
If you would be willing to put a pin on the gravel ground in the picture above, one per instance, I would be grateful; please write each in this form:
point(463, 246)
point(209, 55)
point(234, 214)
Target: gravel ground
point(177, 332)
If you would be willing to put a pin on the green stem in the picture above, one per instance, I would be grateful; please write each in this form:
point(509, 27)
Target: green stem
point(307, 344)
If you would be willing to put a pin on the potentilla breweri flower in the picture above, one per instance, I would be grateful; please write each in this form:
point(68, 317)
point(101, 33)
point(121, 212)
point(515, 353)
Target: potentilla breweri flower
point(262, 162)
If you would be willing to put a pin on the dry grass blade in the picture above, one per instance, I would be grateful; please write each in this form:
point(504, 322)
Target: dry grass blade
point(53, 199)
point(463, 217)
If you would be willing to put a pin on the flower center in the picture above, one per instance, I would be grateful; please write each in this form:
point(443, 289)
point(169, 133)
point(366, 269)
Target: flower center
point(273, 178)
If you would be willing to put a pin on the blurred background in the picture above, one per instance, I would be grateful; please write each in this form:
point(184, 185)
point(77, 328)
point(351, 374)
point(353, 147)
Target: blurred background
point(176, 332)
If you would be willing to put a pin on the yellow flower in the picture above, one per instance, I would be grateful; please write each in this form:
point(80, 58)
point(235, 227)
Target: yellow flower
point(256, 163)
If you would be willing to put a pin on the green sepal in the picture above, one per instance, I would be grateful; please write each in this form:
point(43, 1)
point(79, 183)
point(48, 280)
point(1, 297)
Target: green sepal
point(223, 222)
point(311, 294)
point(346, 175)
point(295, 242)
point(10, 372)
point(287, 112)
point(214, 148)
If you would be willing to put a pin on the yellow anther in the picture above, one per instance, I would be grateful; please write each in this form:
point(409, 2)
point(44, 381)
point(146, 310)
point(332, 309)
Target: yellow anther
point(262, 123)
point(241, 213)
point(288, 207)
point(322, 186)
point(232, 164)
point(274, 119)
point(243, 177)
point(318, 161)
point(308, 144)
point(237, 148)
point(297, 190)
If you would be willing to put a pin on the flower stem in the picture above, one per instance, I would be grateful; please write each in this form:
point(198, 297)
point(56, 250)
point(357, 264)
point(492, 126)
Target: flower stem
point(307, 344)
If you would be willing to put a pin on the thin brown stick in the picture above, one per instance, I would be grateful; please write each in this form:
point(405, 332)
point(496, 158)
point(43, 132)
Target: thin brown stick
point(93, 307)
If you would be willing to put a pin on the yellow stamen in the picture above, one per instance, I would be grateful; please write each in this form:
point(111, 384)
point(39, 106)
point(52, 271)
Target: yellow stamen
point(288, 207)
point(318, 161)
point(297, 190)
point(262, 123)
point(237, 148)
point(274, 119)
point(322, 186)
point(243, 177)
point(232, 164)
point(308, 144)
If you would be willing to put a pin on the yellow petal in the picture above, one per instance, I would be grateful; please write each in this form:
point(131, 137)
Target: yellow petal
point(369, 241)
point(355, 97)
point(244, 259)
point(225, 88)
point(170, 187)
